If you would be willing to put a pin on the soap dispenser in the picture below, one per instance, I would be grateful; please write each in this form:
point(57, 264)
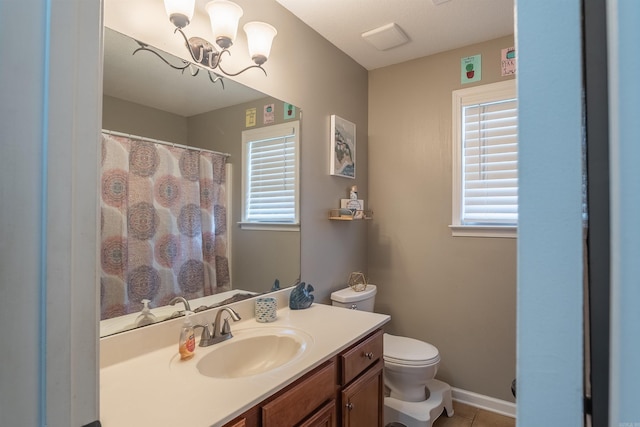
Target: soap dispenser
point(187, 344)
point(146, 317)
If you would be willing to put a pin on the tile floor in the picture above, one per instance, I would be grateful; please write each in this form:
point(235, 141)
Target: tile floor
point(470, 416)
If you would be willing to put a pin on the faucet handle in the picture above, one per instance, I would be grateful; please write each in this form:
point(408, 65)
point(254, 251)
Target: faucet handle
point(226, 329)
point(206, 334)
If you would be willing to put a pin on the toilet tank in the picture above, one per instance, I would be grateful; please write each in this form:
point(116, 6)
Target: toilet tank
point(348, 298)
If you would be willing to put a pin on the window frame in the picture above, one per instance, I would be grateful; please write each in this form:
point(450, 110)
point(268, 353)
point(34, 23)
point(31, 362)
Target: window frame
point(263, 133)
point(460, 98)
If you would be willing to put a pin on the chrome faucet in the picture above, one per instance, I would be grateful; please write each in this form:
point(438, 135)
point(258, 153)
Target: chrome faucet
point(219, 333)
point(224, 332)
point(183, 301)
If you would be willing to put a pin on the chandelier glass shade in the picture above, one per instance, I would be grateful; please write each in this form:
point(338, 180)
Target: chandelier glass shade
point(180, 12)
point(259, 38)
point(224, 16)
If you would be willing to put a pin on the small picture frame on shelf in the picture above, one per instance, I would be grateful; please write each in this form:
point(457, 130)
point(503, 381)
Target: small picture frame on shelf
point(354, 205)
point(343, 148)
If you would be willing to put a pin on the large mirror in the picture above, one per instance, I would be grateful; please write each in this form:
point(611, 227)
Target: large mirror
point(145, 99)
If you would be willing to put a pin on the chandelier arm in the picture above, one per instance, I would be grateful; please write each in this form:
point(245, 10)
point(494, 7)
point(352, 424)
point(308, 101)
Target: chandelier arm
point(146, 49)
point(242, 71)
point(218, 58)
point(228, 52)
point(218, 78)
point(216, 61)
point(186, 42)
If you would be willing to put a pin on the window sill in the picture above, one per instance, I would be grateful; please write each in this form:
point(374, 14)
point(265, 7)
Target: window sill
point(509, 232)
point(269, 226)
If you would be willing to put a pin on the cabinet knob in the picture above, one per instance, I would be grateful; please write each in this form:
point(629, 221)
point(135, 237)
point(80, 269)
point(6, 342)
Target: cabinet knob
point(368, 355)
point(349, 406)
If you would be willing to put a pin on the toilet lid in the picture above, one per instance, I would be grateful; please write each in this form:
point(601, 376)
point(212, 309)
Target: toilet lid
point(408, 351)
point(348, 295)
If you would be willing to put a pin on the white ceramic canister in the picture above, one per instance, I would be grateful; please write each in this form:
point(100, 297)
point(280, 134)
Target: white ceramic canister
point(266, 309)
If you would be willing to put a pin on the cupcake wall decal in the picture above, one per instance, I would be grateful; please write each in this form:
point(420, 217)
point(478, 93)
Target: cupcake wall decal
point(471, 69)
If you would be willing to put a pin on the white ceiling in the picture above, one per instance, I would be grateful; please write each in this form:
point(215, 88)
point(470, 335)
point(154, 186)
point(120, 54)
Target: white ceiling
point(430, 28)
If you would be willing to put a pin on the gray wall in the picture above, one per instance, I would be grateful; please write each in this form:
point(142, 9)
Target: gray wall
point(135, 119)
point(458, 293)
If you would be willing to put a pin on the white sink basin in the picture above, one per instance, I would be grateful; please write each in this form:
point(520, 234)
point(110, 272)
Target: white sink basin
point(253, 351)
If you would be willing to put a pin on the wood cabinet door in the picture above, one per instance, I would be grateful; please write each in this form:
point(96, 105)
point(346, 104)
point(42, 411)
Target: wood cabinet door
point(362, 400)
point(324, 417)
point(297, 403)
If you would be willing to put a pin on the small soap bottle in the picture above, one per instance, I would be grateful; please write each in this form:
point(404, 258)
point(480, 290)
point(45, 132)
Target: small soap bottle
point(353, 194)
point(187, 344)
point(146, 317)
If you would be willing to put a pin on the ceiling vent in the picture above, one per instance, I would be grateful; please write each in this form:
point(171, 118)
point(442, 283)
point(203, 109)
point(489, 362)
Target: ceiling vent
point(386, 37)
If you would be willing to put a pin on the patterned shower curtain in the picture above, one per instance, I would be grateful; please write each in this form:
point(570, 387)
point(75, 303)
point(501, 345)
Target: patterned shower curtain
point(163, 224)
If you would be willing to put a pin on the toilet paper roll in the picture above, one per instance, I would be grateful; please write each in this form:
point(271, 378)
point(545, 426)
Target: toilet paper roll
point(266, 309)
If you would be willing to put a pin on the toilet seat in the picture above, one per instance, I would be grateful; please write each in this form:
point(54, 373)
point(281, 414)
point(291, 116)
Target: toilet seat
point(408, 351)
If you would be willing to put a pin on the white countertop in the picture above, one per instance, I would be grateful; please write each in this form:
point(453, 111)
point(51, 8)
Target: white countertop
point(146, 390)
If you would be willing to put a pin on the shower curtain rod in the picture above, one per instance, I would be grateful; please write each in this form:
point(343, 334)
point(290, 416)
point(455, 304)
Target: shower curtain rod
point(157, 141)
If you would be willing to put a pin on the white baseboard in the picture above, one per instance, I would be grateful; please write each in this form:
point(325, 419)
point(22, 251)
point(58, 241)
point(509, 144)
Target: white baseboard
point(481, 401)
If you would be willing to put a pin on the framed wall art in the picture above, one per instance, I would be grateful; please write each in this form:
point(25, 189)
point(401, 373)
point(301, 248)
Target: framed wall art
point(343, 148)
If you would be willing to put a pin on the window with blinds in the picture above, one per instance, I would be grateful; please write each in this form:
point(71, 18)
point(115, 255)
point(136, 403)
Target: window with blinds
point(486, 153)
point(270, 178)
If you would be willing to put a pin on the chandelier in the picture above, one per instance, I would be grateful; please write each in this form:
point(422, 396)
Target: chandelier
point(225, 16)
point(193, 69)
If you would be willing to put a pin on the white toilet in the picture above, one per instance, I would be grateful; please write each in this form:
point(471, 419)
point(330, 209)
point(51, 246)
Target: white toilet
point(415, 398)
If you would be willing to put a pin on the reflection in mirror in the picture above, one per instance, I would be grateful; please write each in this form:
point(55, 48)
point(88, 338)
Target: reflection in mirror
point(162, 110)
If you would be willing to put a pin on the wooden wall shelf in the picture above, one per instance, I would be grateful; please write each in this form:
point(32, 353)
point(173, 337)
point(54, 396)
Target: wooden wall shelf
point(335, 215)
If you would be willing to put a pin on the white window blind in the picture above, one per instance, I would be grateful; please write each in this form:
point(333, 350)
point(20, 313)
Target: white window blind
point(490, 163)
point(271, 175)
point(485, 160)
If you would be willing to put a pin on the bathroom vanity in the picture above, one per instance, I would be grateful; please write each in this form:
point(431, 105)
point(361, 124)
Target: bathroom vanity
point(344, 391)
point(321, 366)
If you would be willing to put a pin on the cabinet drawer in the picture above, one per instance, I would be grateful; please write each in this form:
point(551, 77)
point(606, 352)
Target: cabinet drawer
point(360, 357)
point(297, 403)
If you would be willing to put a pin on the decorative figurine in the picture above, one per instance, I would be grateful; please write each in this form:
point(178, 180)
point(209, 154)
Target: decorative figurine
point(353, 194)
point(357, 281)
point(301, 297)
